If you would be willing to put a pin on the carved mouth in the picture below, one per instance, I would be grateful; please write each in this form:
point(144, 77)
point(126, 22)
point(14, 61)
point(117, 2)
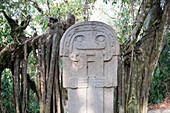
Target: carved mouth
point(84, 46)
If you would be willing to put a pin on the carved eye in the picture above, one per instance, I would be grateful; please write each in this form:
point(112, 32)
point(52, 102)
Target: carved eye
point(100, 38)
point(79, 38)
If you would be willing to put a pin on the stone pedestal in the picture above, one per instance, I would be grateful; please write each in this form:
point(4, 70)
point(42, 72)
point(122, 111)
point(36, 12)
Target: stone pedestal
point(89, 52)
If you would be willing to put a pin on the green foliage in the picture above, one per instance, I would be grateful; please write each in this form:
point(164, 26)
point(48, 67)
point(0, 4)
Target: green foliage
point(34, 107)
point(5, 38)
point(40, 20)
point(7, 92)
point(124, 17)
point(16, 10)
point(64, 9)
point(31, 66)
point(161, 79)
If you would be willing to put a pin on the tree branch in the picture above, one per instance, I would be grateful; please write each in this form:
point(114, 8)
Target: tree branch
point(47, 2)
point(137, 26)
point(37, 7)
point(13, 24)
point(141, 16)
point(161, 35)
point(109, 15)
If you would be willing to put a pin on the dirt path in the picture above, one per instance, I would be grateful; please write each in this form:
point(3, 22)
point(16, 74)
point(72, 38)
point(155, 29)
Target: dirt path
point(160, 111)
point(163, 107)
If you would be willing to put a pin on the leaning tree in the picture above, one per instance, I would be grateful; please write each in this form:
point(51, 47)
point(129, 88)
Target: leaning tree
point(140, 54)
point(47, 45)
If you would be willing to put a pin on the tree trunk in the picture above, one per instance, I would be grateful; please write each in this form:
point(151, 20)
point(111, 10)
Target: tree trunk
point(27, 100)
point(0, 92)
point(51, 73)
point(24, 76)
point(137, 67)
point(16, 84)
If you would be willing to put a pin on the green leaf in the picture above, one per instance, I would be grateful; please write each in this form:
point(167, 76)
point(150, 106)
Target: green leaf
point(114, 3)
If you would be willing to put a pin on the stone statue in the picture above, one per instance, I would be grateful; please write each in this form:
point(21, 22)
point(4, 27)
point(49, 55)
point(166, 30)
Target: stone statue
point(89, 52)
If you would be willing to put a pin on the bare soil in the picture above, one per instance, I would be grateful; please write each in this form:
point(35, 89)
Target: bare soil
point(165, 104)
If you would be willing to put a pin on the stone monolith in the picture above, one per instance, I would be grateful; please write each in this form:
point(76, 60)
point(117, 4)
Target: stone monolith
point(89, 52)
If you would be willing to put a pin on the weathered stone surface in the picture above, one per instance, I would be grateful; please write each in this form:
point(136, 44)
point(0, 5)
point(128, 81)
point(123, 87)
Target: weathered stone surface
point(89, 53)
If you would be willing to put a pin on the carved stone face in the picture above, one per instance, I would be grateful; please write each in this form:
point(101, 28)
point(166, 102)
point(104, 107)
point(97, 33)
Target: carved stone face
point(92, 38)
point(90, 41)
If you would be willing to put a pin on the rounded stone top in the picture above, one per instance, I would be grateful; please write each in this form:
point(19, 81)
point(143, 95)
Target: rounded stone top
point(89, 37)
